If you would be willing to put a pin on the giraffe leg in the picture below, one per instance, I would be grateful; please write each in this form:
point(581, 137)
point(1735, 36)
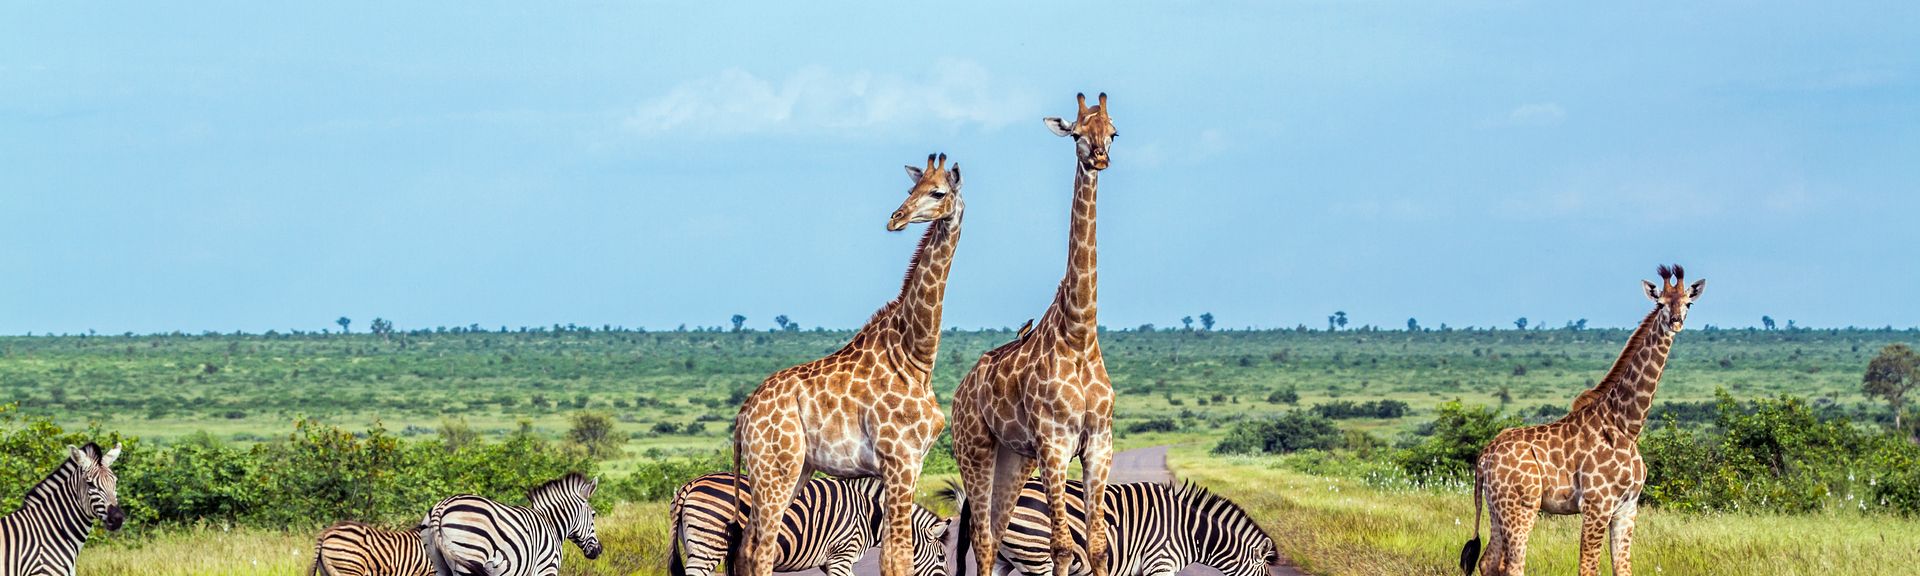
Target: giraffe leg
point(902, 474)
point(1095, 462)
point(1622, 536)
point(974, 451)
point(775, 472)
point(1595, 518)
point(1010, 476)
point(1493, 560)
point(1054, 459)
point(1518, 520)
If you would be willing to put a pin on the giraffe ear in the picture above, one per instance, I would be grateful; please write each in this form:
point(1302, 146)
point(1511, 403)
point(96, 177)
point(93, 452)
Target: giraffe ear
point(1058, 126)
point(1653, 292)
point(953, 176)
point(914, 174)
point(1693, 293)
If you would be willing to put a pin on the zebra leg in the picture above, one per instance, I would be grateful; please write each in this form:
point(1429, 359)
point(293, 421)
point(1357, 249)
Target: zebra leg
point(1095, 462)
point(902, 475)
point(1054, 459)
point(840, 561)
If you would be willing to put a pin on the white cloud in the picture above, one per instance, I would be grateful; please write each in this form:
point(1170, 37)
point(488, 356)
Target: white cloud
point(1537, 114)
point(953, 93)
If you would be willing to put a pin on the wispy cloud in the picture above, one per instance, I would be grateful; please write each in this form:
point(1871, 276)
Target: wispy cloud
point(1537, 114)
point(953, 93)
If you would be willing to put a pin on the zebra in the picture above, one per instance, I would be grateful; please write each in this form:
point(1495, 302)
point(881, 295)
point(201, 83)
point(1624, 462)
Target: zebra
point(469, 535)
point(1156, 529)
point(46, 533)
point(351, 548)
point(830, 525)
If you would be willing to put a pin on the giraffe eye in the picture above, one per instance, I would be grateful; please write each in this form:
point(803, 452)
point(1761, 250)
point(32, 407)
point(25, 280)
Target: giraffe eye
point(939, 193)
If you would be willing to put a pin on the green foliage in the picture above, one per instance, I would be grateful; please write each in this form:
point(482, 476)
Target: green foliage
point(1343, 409)
point(1458, 433)
point(1890, 376)
point(1288, 395)
point(1778, 455)
point(317, 474)
point(1153, 425)
point(593, 432)
point(1293, 432)
point(656, 479)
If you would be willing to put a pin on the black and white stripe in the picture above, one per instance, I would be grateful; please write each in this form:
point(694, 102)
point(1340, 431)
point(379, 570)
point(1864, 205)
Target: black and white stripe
point(472, 536)
point(356, 549)
point(830, 525)
point(45, 535)
point(1155, 530)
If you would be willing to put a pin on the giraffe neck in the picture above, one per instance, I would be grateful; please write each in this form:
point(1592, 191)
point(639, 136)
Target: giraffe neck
point(1627, 392)
point(916, 313)
point(1078, 301)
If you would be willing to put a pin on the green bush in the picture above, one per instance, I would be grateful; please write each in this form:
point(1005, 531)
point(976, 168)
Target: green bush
point(1779, 455)
point(1293, 432)
point(1153, 425)
point(1453, 441)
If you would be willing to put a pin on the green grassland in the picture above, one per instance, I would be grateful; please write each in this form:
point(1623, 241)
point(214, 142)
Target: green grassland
point(252, 388)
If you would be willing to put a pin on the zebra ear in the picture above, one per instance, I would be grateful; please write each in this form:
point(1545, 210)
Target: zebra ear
point(591, 484)
point(112, 455)
point(81, 456)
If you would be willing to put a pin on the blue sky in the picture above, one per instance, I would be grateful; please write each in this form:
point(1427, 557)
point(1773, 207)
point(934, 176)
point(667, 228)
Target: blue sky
point(253, 167)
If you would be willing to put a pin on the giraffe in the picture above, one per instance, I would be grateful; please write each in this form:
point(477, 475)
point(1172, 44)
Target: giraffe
point(868, 409)
point(1585, 463)
point(1044, 398)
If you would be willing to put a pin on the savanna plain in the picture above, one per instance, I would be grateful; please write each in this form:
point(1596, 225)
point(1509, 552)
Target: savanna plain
point(1348, 445)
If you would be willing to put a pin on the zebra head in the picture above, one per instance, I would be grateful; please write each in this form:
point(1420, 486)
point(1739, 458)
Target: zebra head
point(1225, 537)
point(102, 486)
point(929, 542)
point(566, 499)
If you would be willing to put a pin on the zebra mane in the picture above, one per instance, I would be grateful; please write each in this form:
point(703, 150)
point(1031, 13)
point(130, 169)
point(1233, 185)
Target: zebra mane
point(1199, 498)
point(570, 483)
point(68, 468)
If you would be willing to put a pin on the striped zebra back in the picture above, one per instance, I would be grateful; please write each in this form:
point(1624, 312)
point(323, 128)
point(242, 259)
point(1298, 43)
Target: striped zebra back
point(355, 549)
point(473, 536)
point(44, 536)
point(1154, 529)
point(831, 522)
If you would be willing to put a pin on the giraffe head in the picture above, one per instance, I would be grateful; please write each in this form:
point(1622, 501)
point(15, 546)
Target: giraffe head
point(1672, 297)
point(935, 194)
point(1092, 132)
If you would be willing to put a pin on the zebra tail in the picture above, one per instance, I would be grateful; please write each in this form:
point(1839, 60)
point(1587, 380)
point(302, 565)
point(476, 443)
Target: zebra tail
point(739, 516)
point(675, 565)
point(1470, 553)
point(434, 546)
point(319, 567)
point(963, 544)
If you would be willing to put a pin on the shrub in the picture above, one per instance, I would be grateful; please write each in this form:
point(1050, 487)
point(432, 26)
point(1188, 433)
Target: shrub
point(1455, 439)
point(593, 432)
point(1341, 409)
point(1293, 432)
point(1153, 425)
point(1288, 395)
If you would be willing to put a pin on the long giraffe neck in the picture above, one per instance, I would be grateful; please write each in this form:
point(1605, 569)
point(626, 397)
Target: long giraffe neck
point(1079, 298)
point(1627, 391)
point(916, 313)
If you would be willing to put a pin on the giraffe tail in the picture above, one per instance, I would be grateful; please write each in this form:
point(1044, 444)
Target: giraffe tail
point(963, 544)
point(1470, 554)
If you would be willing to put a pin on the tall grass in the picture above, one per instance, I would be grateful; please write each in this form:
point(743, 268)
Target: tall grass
point(1339, 525)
